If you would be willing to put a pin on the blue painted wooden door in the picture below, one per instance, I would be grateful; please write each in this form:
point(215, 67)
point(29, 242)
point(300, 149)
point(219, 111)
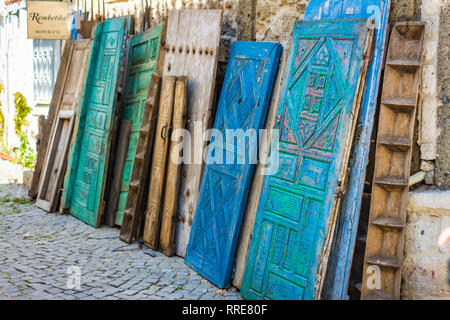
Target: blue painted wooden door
point(223, 192)
point(88, 158)
point(314, 117)
point(142, 62)
point(338, 271)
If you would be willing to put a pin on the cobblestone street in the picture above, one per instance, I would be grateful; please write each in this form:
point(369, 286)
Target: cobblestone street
point(37, 248)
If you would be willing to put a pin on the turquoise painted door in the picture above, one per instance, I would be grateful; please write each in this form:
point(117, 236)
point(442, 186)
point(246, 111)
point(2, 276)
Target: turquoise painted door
point(314, 118)
point(223, 192)
point(142, 62)
point(340, 263)
point(84, 185)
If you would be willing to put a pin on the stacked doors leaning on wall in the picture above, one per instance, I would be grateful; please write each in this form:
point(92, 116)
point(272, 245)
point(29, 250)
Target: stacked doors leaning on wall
point(338, 272)
point(316, 117)
point(142, 62)
point(61, 132)
point(231, 157)
point(83, 194)
point(191, 49)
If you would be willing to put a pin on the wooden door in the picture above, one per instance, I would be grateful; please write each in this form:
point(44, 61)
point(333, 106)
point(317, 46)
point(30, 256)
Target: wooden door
point(169, 210)
point(339, 267)
point(142, 62)
point(84, 185)
point(316, 117)
point(61, 131)
point(136, 201)
point(223, 193)
point(51, 117)
point(158, 170)
point(192, 46)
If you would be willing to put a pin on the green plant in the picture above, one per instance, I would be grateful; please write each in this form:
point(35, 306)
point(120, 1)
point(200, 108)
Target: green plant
point(25, 155)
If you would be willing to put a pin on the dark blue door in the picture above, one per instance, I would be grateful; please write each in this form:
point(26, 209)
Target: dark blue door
point(223, 192)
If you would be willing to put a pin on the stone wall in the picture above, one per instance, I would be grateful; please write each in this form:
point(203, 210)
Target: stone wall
point(424, 271)
point(442, 174)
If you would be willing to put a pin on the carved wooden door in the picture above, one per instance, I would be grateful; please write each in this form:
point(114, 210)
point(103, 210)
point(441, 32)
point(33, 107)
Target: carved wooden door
point(85, 181)
point(143, 60)
point(223, 193)
point(341, 258)
point(316, 119)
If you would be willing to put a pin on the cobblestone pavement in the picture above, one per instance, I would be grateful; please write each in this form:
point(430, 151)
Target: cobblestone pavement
point(37, 248)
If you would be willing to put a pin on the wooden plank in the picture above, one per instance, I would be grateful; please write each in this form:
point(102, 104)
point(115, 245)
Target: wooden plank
point(243, 104)
point(160, 151)
point(114, 135)
point(341, 258)
point(248, 222)
point(52, 113)
point(317, 115)
point(136, 201)
point(167, 232)
point(143, 60)
point(120, 159)
point(192, 47)
point(387, 219)
point(61, 132)
point(84, 184)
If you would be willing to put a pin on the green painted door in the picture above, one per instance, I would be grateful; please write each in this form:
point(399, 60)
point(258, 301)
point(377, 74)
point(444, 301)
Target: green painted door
point(142, 62)
point(88, 158)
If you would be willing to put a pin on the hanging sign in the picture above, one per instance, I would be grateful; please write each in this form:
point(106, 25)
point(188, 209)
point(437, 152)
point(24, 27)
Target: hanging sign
point(48, 20)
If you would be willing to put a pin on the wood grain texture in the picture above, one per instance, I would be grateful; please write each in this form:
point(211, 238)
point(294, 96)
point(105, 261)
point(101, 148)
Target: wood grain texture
point(248, 222)
point(144, 56)
point(294, 225)
point(159, 163)
point(138, 192)
point(225, 183)
point(116, 183)
point(167, 232)
point(192, 46)
point(52, 114)
point(113, 138)
point(61, 131)
point(387, 220)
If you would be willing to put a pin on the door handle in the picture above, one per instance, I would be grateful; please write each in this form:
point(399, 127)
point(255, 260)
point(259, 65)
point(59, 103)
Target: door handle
point(162, 132)
point(166, 128)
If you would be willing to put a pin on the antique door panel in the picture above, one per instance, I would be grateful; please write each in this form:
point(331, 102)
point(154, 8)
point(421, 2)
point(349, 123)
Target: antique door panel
point(84, 183)
point(142, 62)
point(316, 118)
point(192, 46)
point(338, 273)
point(55, 160)
point(136, 201)
point(51, 117)
point(61, 131)
point(243, 105)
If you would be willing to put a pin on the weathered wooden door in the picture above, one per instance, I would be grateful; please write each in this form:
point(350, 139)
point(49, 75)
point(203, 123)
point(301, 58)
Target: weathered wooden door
point(223, 193)
point(316, 117)
point(142, 62)
point(192, 46)
point(61, 131)
point(84, 183)
point(339, 267)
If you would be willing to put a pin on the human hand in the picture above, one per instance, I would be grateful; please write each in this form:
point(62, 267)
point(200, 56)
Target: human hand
point(444, 238)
